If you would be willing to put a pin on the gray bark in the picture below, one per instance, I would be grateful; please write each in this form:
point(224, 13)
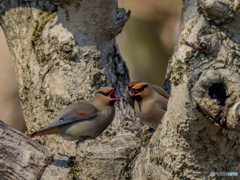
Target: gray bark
point(118, 152)
point(60, 168)
point(200, 130)
point(21, 157)
point(62, 54)
point(189, 11)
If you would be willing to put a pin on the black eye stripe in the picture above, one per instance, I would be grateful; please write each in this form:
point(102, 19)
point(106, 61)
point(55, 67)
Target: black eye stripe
point(105, 94)
point(144, 86)
point(129, 88)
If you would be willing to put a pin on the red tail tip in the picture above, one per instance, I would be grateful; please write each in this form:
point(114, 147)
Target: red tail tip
point(31, 135)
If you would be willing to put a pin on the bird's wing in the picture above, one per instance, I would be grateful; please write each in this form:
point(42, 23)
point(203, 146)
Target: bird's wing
point(160, 91)
point(72, 113)
point(162, 103)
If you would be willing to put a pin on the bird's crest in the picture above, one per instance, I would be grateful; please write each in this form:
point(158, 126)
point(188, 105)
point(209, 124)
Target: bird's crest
point(139, 86)
point(132, 83)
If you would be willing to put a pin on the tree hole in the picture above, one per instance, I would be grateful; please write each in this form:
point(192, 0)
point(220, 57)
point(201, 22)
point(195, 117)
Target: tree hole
point(218, 92)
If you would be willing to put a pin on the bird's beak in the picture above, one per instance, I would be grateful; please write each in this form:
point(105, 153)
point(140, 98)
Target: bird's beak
point(134, 92)
point(112, 95)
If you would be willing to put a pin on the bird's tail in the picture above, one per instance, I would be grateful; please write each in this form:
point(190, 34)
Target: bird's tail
point(54, 130)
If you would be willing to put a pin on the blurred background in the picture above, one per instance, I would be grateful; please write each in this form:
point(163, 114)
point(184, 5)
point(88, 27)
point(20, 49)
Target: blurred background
point(146, 43)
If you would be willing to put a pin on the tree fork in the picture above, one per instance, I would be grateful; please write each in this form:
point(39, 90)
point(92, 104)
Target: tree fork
point(62, 53)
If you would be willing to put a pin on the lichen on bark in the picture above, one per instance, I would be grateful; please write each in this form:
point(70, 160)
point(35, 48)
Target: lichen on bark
point(199, 133)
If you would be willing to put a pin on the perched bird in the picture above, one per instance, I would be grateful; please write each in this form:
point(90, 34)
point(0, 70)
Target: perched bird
point(87, 119)
point(151, 103)
point(130, 100)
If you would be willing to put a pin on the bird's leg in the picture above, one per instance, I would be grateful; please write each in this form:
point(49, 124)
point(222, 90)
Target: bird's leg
point(144, 132)
point(150, 130)
point(81, 140)
point(139, 134)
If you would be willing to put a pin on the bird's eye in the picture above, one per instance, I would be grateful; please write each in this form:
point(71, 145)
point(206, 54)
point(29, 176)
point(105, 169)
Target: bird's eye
point(143, 87)
point(103, 93)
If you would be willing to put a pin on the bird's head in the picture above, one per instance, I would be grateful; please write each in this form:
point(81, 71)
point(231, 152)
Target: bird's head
point(107, 94)
point(138, 91)
point(130, 85)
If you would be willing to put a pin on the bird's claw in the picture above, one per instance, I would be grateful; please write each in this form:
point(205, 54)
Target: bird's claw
point(150, 130)
point(84, 138)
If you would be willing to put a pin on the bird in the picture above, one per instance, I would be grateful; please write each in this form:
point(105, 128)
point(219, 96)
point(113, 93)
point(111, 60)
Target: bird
point(83, 120)
point(130, 99)
point(150, 103)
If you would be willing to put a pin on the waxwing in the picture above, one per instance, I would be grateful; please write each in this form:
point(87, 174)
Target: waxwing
point(87, 119)
point(130, 99)
point(151, 103)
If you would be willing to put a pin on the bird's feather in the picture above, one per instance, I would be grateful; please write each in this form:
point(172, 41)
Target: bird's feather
point(73, 113)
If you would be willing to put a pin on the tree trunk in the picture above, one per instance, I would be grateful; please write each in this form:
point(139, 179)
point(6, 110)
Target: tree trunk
point(62, 54)
point(199, 133)
point(21, 157)
point(189, 11)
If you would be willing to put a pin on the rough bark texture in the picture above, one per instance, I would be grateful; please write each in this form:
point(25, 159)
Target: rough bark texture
point(118, 152)
point(21, 157)
point(60, 168)
point(189, 11)
point(62, 54)
point(110, 158)
point(200, 130)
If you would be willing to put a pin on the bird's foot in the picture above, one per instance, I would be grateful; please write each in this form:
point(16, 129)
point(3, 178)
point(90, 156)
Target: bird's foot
point(146, 136)
point(150, 130)
point(144, 132)
point(84, 138)
point(139, 134)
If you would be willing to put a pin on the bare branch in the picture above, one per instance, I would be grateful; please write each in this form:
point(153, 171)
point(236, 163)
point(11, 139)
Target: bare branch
point(21, 157)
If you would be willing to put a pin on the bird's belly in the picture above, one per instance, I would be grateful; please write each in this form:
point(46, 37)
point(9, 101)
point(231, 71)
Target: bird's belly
point(77, 130)
point(151, 119)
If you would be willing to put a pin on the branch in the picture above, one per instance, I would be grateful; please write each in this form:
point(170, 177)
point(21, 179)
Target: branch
point(21, 157)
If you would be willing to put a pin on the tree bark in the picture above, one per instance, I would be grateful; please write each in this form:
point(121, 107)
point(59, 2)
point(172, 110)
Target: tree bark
point(189, 11)
point(200, 130)
point(21, 157)
point(62, 54)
